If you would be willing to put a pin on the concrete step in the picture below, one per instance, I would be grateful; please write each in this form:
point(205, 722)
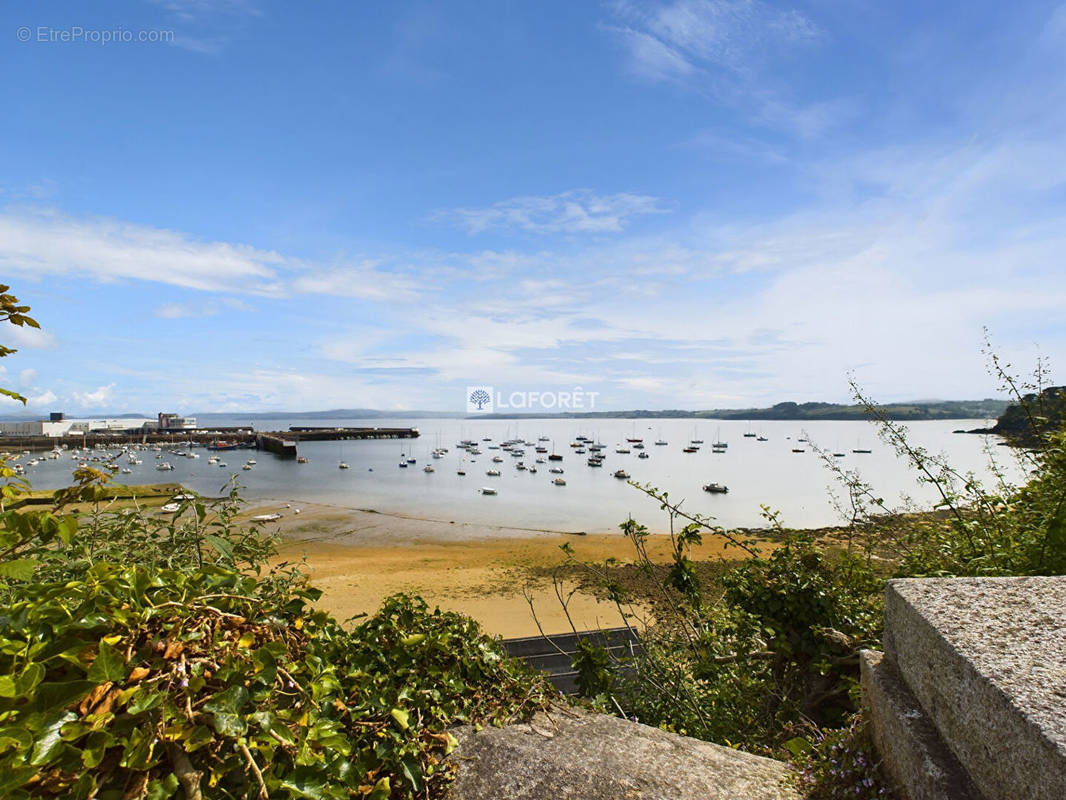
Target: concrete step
point(985, 658)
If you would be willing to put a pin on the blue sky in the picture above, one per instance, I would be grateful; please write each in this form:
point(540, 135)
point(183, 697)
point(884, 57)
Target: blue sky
point(688, 204)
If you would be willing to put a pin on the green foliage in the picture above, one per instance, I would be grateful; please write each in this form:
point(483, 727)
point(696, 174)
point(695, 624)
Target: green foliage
point(983, 531)
point(592, 663)
point(165, 680)
point(46, 545)
point(11, 311)
point(814, 610)
point(839, 763)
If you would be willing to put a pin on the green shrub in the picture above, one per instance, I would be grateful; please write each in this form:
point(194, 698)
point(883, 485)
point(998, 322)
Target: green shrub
point(158, 683)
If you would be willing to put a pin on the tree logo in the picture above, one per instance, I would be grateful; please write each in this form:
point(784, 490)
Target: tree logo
point(479, 399)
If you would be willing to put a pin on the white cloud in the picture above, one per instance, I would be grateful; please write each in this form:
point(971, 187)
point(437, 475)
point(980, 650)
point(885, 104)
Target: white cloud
point(22, 336)
point(101, 396)
point(42, 244)
point(45, 398)
point(724, 50)
point(27, 376)
point(726, 33)
point(208, 308)
point(576, 211)
point(364, 281)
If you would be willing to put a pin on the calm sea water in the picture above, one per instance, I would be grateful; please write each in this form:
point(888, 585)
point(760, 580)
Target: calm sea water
point(757, 473)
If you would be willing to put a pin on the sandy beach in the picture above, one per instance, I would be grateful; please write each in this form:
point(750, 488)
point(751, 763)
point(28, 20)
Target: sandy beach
point(359, 557)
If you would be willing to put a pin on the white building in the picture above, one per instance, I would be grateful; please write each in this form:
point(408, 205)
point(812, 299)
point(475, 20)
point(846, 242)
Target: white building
point(72, 427)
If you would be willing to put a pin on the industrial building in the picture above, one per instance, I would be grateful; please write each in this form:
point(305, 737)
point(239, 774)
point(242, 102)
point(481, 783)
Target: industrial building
point(58, 425)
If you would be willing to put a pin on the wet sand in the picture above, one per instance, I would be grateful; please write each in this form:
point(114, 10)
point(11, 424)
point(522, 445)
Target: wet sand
point(359, 557)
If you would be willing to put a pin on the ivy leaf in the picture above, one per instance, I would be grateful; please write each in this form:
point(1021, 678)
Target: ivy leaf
point(401, 717)
point(21, 569)
point(49, 743)
point(109, 665)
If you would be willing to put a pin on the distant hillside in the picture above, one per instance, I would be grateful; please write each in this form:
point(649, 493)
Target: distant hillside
point(944, 409)
point(1044, 412)
point(941, 409)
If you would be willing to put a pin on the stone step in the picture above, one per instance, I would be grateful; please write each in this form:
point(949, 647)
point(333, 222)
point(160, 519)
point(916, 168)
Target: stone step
point(986, 660)
point(911, 749)
point(584, 756)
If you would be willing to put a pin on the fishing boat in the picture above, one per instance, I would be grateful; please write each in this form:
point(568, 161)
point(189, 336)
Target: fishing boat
point(621, 473)
point(559, 482)
point(643, 455)
point(219, 445)
point(716, 488)
point(428, 468)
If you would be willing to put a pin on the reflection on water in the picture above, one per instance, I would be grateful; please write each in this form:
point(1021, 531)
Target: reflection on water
point(756, 472)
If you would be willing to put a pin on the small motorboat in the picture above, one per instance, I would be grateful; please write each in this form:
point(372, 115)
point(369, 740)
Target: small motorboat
point(493, 473)
point(301, 460)
point(343, 465)
point(643, 455)
point(428, 468)
point(559, 482)
point(556, 470)
point(716, 488)
point(488, 490)
point(621, 473)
